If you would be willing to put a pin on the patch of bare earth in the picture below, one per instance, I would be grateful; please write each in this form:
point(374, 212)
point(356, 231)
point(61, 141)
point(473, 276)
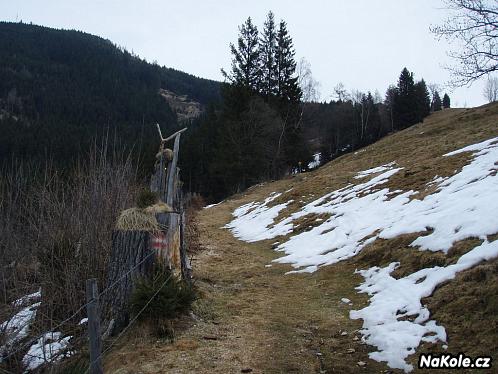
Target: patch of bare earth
point(253, 318)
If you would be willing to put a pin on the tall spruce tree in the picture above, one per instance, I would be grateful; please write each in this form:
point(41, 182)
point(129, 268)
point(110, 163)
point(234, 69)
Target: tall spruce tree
point(436, 102)
point(289, 93)
point(390, 103)
point(245, 58)
point(268, 51)
point(446, 101)
point(287, 86)
point(423, 100)
point(405, 112)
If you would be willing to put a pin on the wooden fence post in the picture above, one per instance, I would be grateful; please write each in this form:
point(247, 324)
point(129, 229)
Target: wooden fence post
point(92, 298)
point(131, 259)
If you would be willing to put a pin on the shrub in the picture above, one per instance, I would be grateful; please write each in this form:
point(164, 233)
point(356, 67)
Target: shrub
point(160, 296)
point(146, 198)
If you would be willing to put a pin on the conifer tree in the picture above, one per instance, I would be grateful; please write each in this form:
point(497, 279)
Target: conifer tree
point(287, 86)
point(405, 83)
point(405, 111)
point(289, 94)
point(245, 58)
point(423, 100)
point(436, 102)
point(268, 51)
point(446, 101)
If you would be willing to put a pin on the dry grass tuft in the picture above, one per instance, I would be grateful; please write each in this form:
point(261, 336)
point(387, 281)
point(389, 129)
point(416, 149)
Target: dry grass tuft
point(158, 207)
point(137, 219)
point(308, 222)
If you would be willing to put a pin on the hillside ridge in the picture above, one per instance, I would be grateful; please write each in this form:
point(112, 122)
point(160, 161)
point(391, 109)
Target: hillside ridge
point(59, 89)
point(254, 317)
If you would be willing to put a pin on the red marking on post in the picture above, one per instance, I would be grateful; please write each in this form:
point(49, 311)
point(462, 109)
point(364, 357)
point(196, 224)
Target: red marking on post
point(159, 241)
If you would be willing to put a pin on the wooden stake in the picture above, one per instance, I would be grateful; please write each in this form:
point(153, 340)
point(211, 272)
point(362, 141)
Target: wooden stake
point(92, 298)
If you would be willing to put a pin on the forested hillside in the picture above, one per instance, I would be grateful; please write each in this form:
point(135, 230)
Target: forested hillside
point(60, 88)
point(270, 123)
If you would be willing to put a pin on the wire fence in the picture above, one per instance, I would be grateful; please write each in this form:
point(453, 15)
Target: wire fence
point(82, 307)
point(132, 321)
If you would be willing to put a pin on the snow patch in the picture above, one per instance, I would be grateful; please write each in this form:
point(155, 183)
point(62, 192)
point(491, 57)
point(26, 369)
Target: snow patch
point(24, 300)
point(48, 348)
point(396, 322)
point(378, 169)
point(317, 157)
point(17, 327)
point(253, 220)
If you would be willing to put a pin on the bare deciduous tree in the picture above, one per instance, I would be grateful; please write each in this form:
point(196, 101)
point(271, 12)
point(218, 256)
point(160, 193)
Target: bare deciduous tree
point(340, 92)
point(491, 89)
point(305, 80)
point(473, 27)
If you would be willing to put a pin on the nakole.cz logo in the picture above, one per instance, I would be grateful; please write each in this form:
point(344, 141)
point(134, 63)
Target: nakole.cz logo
point(449, 361)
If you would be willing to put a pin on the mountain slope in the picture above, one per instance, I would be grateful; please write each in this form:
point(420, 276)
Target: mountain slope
point(421, 188)
point(58, 88)
point(252, 316)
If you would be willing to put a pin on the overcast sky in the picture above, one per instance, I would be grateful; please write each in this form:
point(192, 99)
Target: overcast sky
point(362, 43)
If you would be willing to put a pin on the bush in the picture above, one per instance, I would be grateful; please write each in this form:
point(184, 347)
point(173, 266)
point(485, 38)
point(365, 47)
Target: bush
point(162, 295)
point(146, 198)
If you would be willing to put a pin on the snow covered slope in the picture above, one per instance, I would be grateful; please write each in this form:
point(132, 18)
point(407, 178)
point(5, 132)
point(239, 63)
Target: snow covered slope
point(453, 198)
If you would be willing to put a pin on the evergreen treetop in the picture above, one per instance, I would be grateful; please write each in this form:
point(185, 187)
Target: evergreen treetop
point(446, 101)
point(245, 57)
point(268, 51)
point(436, 102)
point(423, 100)
point(287, 87)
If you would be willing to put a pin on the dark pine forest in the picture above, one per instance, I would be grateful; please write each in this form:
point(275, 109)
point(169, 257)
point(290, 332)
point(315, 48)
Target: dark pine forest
point(60, 90)
point(63, 90)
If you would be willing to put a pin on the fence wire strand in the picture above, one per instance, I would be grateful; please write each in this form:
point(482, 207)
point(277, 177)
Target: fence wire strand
point(133, 320)
point(25, 345)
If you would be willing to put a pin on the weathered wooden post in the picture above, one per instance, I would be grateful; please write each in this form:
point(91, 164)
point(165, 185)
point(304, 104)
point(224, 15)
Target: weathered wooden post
point(92, 298)
point(140, 240)
point(186, 266)
point(131, 259)
point(169, 221)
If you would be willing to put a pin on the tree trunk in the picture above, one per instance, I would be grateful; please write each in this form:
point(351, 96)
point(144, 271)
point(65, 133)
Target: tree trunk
point(131, 258)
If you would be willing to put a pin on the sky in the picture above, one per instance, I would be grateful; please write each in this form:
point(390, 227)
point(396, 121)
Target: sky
point(363, 44)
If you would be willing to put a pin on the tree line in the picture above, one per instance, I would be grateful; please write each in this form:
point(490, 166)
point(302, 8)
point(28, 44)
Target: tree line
point(266, 126)
point(355, 119)
point(60, 89)
point(256, 133)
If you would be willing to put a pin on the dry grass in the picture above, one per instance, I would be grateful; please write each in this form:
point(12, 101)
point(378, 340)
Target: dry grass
point(253, 317)
point(137, 219)
point(467, 307)
point(56, 230)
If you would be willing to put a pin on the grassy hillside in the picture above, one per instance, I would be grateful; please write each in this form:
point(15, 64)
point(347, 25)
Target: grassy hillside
point(465, 306)
point(60, 88)
point(254, 318)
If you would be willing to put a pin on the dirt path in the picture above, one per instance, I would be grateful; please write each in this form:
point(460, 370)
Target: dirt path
point(253, 318)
